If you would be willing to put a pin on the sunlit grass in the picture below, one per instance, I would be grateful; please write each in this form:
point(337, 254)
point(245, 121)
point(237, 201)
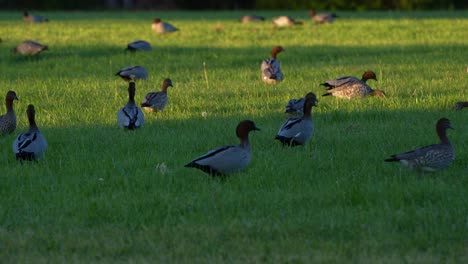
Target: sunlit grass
point(99, 193)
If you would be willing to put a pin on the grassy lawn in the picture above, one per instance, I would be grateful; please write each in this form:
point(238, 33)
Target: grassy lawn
point(101, 194)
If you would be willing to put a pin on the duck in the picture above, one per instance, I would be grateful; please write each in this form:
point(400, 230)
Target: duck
point(297, 131)
point(227, 159)
point(30, 145)
point(330, 84)
point(157, 101)
point(162, 27)
point(322, 17)
point(285, 21)
point(251, 18)
point(29, 48)
point(429, 158)
point(295, 107)
point(138, 45)
point(351, 87)
point(460, 105)
point(133, 73)
point(130, 116)
point(33, 19)
point(271, 70)
point(8, 120)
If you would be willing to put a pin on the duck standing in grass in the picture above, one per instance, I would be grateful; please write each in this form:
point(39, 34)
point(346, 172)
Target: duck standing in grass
point(322, 17)
point(227, 159)
point(285, 21)
point(162, 27)
point(8, 120)
point(461, 105)
point(157, 101)
point(351, 87)
point(33, 19)
point(30, 145)
point(29, 48)
point(133, 73)
point(429, 158)
point(138, 45)
point(130, 116)
point(271, 69)
point(251, 18)
point(297, 131)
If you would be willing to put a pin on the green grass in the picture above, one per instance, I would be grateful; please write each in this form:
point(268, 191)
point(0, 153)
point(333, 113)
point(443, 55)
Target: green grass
point(99, 195)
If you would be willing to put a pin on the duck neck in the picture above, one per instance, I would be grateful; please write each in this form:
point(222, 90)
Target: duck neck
point(9, 105)
point(32, 122)
point(364, 79)
point(308, 109)
point(244, 142)
point(442, 133)
point(164, 88)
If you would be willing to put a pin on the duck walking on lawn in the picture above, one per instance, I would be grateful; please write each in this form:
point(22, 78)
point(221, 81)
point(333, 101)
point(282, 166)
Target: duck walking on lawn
point(30, 145)
point(271, 69)
point(33, 19)
point(429, 158)
point(29, 48)
point(321, 18)
point(157, 101)
point(351, 87)
point(133, 73)
point(285, 21)
point(227, 159)
point(297, 131)
point(162, 27)
point(138, 45)
point(130, 116)
point(8, 120)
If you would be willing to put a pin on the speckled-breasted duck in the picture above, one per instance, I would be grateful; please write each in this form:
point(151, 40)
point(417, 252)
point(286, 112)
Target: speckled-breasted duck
point(461, 105)
point(130, 116)
point(429, 158)
point(227, 159)
point(295, 107)
point(351, 87)
point(133, 73)
point(139, 45)
point(251, 18)
point(157, 101)
point(8, 120)
point(271, 69)
point(30, 145)
point(33, 19)
point(285, 21)
point(297, 131)
point(162, 27)
point(29, 48)
point(321, 18)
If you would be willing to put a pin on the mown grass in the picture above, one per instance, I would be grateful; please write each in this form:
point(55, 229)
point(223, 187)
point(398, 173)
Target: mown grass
point(100, 194)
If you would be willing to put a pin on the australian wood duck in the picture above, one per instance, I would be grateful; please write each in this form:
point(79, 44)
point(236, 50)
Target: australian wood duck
point(321, 18)
point(461, 105)
point(330, 84)
point(351, 87)
point(30, 145)
point(162, 27)
point(251, 18)
point(285, 21)
point(227, 159)
point(297, 131)
point(130, 116)
point(29, 48)
point(33, 19)
point(8, 120)
point(271, 70)
point(157, 101)
point(138, 45)
point(429, 158)
point(133, 73)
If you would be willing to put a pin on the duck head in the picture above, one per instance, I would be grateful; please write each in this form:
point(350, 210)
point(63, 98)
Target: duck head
point(369, 75)
point(244, 127)
point(276, 50)
point(11, 95)
point(157, 20)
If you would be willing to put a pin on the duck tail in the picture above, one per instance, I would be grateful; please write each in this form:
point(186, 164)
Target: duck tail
point(392, 159)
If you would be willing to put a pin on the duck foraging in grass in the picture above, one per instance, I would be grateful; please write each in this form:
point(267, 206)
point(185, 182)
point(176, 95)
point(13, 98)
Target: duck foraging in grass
point(133, 73)
point(30, 145)
point(33, 19)
point(351, 87)
point(8, 120)
point(162, 27)
point(227, 159)
point(330, 84)
point(138, 45)
point(321, 18)
point(429, 158)
point(271, 69)
point(130, 116)
point(29, 48)
point(157, 101)
point(251, 18)
point(297, 131)
point(285, 21)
